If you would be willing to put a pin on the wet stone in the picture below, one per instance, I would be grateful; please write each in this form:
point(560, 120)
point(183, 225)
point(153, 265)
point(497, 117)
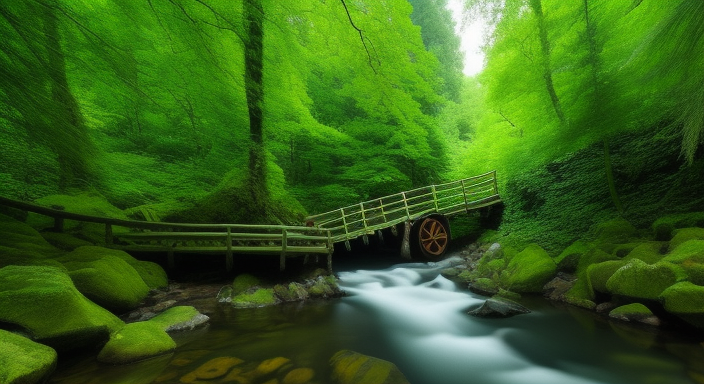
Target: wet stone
point(499, 308)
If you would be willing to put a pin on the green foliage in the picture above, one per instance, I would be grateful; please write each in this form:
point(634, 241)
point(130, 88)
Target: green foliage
point(24, 361)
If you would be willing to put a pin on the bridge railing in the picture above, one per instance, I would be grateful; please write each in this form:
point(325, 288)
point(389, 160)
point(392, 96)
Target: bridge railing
point(228, 239)
point(447, 199)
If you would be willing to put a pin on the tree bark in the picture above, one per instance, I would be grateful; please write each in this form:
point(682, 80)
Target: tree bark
point(537, 7)
point(253, 68)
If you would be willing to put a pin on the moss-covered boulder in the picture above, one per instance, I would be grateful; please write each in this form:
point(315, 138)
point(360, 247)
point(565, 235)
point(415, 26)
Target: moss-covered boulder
point(151, 273)
point(638, 280)
point(635, 312)
point(254, 298)
point(598, 274)
point(349, 367)
point(21, 244)
point(529, 270)
point(135, 342)
point(324, 287)
point(664, 226)
point(64, 241)
point(686, 234)
point(179, 318)
point(44, 301)
point(650, 252)
point(291, 292)
point(109, 282)
point(243, 282)
point(568, 259)
point(23, 361)
point(690, 251)
point(484, 286)
point(581, 294)
point(686, 300)
point(85, 203)
point(614, 231)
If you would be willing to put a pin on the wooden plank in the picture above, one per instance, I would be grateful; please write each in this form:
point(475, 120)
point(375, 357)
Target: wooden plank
point(282, 258)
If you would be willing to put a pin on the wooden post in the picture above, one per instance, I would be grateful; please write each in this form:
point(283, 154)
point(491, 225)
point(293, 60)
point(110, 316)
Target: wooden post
point(406, 243)
point(405, 204)
point(383, 214)
point(496, 186)
point(464, 193)
point(380, 236)
point(229, 262)
point(108, 234)
point(435, 197)
point(344, 222)
point(364, 218)
point(284, 243)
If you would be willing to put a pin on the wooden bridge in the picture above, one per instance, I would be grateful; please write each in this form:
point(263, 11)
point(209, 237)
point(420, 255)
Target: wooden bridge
point(432, 204)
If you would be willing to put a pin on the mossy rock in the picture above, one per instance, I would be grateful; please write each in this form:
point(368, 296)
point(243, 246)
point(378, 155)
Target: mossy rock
point(44, 301)
point(686, 300)
point(349, 367)
point(179, 318)
point(614, 231)
point(484, 286)
point(292, 292)
point(690, 251)
point(634, 312)
point(489, 268)
point(64, 241)
point(638, 280)
point(254, 298)
point(135, 342)
point(568, 259)
point(686, 234)
point(599, 274)
point(622, 250)
point(529, 270)
point(151, 274)
point(649, 252)
point(664, 226)
point(244, 282)
point(21, 244)
point(324, 287)
point(22, 361)
point(26, 257)
point(593, 256)
point(109, 282)
point(581, 294)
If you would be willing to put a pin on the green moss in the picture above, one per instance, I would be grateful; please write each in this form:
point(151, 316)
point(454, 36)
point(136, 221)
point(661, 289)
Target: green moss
point(324, 287)
point(599, 274)
point(24, 361)
point(22, 241)
point(259, 298)
point(136, 341)
point(64, 241)
point(649, 252)
point(634, 309)
point(664, 226)
point(85, 203)
point(108, 281)
point(243, 282)
point(487, 269)
point(581, 294)
point(44, 301)
point(691, 251)
point(639, 280)
point(684, 235)
point(529, 270)
point(568, 259)
point(622, 250)
point(594, 256)
point(292, 292)
point(683, 297)
point(614, 231)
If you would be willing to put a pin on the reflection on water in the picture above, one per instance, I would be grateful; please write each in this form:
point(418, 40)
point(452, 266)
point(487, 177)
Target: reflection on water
point(415, 318)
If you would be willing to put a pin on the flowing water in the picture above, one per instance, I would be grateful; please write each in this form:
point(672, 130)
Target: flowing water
point(410, 315)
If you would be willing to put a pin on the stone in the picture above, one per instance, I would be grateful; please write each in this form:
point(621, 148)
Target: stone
point(649, 252)
point(664, 226)
point(635, 312)
point(568, 259)
point(556, 288)
point(179, 318)
point(686, 300)
point(298, 376)
point(499, 308)
point(216, 367)
point(291, 292)
point(244, 282)
point(255, 298)
point(614, 231)
point(349, 367)
point(136, 342)
point(529, 270)
point(686, 234)
point(324, 287)
point(598, 274)
point(605, 307)
point(44, 301)
point(638, 280)
point(484, 287)
point(23, 361)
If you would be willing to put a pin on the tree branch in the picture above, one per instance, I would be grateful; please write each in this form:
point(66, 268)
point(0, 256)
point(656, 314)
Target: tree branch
point(361, 35)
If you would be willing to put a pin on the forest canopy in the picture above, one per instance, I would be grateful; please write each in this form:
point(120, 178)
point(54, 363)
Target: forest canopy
point(258, 110)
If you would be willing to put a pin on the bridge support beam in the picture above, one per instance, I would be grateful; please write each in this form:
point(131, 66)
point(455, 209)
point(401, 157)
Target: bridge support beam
point(406, 243)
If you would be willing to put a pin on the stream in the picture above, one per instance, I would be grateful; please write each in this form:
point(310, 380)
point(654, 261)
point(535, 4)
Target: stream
point(410, 315)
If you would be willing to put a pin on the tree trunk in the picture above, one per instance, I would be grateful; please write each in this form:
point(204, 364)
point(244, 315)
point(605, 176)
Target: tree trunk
point(253, 72)
point(537, 7)
point(70, 140)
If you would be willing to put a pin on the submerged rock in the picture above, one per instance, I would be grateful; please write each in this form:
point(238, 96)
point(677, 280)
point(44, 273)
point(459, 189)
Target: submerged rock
point(499, 308)
point(23, 361)
point(349, 367)
point(635, 312)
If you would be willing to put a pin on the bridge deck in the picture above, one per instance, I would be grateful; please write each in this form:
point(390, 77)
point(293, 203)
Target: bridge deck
point(285, 241)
